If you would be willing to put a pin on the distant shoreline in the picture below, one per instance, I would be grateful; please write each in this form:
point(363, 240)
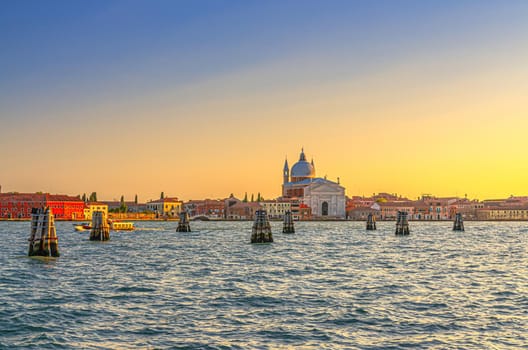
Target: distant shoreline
point(272, 220)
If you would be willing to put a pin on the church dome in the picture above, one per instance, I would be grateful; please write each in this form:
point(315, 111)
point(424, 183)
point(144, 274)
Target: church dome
point(302, 169)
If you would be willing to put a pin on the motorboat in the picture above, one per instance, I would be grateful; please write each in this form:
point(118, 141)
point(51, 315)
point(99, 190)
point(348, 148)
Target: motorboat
point(121, 225)
point(82, 227)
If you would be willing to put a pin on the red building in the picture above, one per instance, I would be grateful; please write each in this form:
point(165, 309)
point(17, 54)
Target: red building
point(19, 205)
point(65, 207)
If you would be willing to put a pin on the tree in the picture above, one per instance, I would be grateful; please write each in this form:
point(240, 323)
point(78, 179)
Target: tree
point(162, 195)
point(123, 207)
point(84, 197)
point(93, 197)
point(259, 198)
point(245, 198)
point(135, 200)
point(252, 198)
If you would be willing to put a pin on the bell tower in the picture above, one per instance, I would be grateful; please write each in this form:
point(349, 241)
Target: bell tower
point(286, 172)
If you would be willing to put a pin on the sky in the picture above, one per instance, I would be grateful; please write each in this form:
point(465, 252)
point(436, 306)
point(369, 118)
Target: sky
point(200, 99)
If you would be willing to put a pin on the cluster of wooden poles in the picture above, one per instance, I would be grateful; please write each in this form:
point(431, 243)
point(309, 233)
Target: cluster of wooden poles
point(402, 224)
point(43, 239)
point(261, 232)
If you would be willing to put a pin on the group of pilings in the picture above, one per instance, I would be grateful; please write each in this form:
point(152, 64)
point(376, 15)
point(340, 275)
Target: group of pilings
point(43, 239)
point(261, 232)
point(183, 224)
point(402, 224)
point(287, 226)
point(458, 225)
point(371, 222)
point(100, 228)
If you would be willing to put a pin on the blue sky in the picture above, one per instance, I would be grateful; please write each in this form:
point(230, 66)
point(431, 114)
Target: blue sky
point(93, 47)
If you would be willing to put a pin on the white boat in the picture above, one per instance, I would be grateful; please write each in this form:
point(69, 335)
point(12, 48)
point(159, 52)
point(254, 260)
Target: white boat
point(82, 227)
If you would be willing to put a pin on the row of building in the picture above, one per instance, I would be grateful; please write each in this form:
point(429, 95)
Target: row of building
point(383, 206)
point(19, 205)
point(64, 207)
point(386, 206)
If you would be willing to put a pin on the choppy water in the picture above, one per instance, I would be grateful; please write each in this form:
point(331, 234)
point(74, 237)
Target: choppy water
point(331, 285)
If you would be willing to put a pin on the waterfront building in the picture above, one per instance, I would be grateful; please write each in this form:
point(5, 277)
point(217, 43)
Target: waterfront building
point(361, 213)
point(211, 208)
point(90, 207)
point(276, 209)
point(325, 198)
point(432, 209)
point(165, 206)
point(228, 203)
point(19, 205)
point(389, 210)
point(358, 202)
point(468, 208)
point(242, 210)
point(503, 213)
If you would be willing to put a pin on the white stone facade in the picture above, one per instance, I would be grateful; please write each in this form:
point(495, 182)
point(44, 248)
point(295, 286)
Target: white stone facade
point(326, 198)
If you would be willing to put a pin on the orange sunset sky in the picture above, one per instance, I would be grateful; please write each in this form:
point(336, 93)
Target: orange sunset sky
point(201, 100)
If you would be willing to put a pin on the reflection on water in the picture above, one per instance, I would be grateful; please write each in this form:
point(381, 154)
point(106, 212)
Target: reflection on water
point(329, 285)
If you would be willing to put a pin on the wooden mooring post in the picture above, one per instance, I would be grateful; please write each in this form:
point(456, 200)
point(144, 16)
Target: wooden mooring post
point(183, 224)
point(371, 222)
point(288, 223)
point(43, 239)
point(458, 225)
point(261, 232)
point(402, 226)
point(100, 228)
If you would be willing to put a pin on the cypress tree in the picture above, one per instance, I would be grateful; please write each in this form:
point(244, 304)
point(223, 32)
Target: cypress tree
point(123, 207)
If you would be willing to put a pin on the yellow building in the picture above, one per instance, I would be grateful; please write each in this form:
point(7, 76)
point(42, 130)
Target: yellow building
point(165, 206)
point(90, 207)
point(503, 213)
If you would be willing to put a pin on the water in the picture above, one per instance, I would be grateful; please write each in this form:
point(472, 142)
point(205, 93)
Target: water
point(331, 285)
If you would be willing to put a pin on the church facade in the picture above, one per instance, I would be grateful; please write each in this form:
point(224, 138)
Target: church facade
point(326, 198)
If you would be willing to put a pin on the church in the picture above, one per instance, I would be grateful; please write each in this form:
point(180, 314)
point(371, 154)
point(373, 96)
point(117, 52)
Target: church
point(326, 198)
